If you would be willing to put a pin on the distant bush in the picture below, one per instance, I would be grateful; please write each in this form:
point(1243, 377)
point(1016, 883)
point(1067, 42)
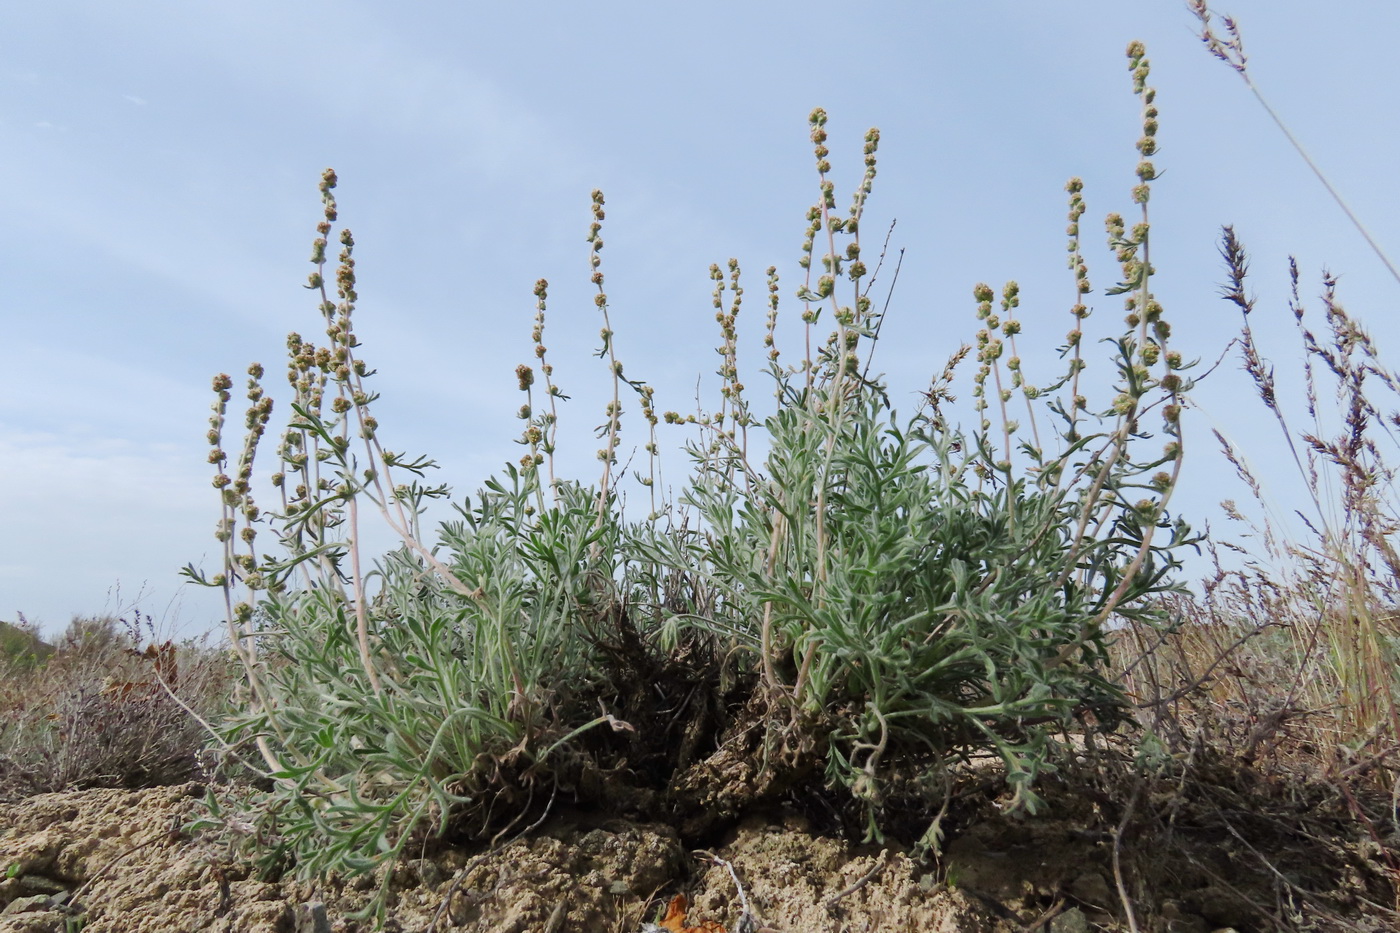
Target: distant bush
point(96, 712)
point(21, 646)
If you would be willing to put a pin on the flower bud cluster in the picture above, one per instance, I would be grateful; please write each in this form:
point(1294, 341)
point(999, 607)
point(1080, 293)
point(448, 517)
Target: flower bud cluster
point(1141, 67)
point(731, 388)
point(983, 294)
point(840, 356)
point(1075, 187)
point(872, 144)
point(771, 322)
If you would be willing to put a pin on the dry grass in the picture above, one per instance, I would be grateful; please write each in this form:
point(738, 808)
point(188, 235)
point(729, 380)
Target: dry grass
point(1292, 653)
point(106, 707)
point(1285, 670)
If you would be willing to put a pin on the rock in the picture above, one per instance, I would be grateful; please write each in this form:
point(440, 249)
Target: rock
point(23, 905)
point(1070, 921)
point(1221, 907)
point(1091, 888)
point(39, 884)
point(42, 921)
point(312, 918)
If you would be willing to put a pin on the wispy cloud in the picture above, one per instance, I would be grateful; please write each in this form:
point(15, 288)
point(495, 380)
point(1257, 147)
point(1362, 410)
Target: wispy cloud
point(161, 233)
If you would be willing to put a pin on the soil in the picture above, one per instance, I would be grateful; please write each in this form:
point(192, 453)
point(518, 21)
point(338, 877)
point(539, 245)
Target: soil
point(1226, 850)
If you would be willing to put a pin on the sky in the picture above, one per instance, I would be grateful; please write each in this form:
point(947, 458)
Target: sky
point(160, 163)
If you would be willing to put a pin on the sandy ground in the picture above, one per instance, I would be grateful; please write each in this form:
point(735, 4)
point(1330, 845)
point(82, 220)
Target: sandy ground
point(114, 861)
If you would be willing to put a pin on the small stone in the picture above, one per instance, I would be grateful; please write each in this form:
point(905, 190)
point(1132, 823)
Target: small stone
point(1071, 921)
point(24, 905)
point(1092, 888)
point(312, 918)
point(40, 884)
point(429, 873)
point(1221, 907)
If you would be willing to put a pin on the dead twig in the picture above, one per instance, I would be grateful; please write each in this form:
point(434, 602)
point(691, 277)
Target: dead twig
point(1118, 881)
point(862, 881)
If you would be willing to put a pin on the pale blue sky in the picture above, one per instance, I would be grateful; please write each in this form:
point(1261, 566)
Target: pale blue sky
point(160, 161)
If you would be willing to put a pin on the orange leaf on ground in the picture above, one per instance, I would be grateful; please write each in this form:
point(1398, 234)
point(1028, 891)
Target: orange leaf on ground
point(675, 919)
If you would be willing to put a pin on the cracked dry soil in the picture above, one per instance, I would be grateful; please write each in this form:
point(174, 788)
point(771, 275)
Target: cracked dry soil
point(120, 861)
